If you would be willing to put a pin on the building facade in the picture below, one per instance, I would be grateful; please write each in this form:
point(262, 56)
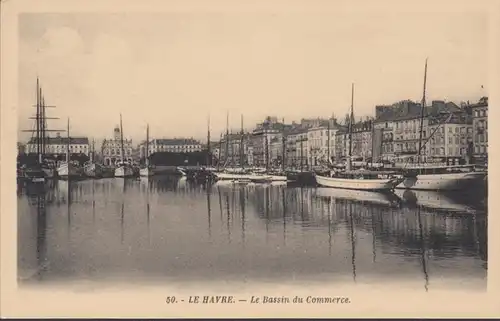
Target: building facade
point(112, 149)
point(480, 130)
point(171, 145)
point(58, 145)
point(262, 135)
point(234, 150)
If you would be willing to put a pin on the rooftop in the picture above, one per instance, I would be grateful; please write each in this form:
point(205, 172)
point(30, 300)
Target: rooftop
point(62, 140)
point(175, 141)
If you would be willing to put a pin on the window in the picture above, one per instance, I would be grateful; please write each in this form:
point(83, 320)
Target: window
point(450, 151)
point(457, 140)
point(450, 140)
point(456, 130)
point(450, 130)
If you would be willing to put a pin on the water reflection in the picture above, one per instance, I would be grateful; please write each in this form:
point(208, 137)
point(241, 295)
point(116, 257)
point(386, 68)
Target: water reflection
point(165, 228)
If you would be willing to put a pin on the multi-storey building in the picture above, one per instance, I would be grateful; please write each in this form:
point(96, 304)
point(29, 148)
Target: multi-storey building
point(321, 142)
point(58, 145)
point(261, 139)
point(112, 149)
point(401, 122)
point(297, 147)
point(480, 129)
point(451, 140)
point(361, 146)
point(234, 149)
point(172, 145)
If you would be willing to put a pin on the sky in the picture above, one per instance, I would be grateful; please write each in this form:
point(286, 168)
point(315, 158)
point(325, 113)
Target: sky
point(174, 70)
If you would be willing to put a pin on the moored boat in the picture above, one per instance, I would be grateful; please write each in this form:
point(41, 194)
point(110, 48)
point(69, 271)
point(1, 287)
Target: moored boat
point(124, 169)
point(93, 170)
point(147, 170)
point(69, 170)
point(360, 180)
point(448, 178)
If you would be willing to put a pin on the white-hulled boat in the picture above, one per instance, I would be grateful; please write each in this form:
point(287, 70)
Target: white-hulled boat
point(360, 180)
point(91, 168)
point(146, 171)
point(68, 170)
point(438, 177)
point(445, 178)
point(124, 169)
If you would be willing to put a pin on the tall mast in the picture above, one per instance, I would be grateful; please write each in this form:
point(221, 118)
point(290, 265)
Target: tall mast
point(328, 143)
point(351, 120)
point(241, 144)
point(42, 126)
point(422, 109)
point(38, 139)
point(147, 145)
point(209, 155)
point(266, 149)
point(121, 139)
point(93, 150)
point(283, 148)
point(301, 153)
point(68, 144)
point(227, 138)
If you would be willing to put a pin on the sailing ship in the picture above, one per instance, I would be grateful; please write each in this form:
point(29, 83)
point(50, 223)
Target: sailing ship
point(42, 168)
point(123, 168)
point(241, 173)
point(91, 168)
point(358, 179)
point(147, 170)
point(68, 169)
point(432, 177)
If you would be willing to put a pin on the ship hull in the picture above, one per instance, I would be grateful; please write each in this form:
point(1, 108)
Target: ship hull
point(357, 184)
point(445, 182)
point(145, 172)
point(124, 171)
point(64, 171)
point(93, 171)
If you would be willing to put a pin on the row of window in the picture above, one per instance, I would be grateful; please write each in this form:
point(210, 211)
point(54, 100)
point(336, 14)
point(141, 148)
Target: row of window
point(60, 148)
point(480, 113)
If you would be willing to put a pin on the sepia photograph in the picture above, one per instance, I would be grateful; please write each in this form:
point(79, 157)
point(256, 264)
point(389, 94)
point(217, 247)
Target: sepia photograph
point(320, 145)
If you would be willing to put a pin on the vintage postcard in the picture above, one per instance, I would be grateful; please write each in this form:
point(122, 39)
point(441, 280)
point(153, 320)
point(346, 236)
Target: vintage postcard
point(249, 158)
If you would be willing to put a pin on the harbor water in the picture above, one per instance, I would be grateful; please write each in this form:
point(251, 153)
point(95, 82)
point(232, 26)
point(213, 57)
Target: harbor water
point(165, 230)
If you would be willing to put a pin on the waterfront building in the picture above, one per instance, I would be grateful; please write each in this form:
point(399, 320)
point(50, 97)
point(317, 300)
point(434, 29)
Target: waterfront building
point(112, 149)
point(361, 146)
point(276, 151)
point(480, 130)
point(172, 145)
point(296, 138)
point(318, 141)
point(58, 145)
point(234, 150)
point(452, 139)
point(400, 125)
point(261, 138)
